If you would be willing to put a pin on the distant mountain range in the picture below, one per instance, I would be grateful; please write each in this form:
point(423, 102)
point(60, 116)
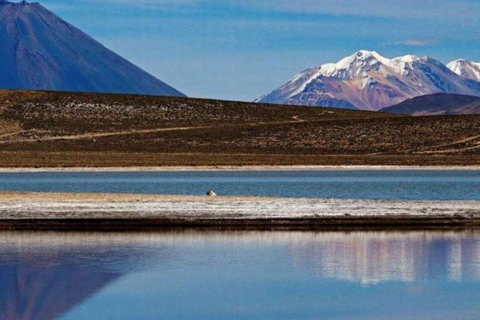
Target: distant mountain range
point(368, 81)
point(437, 104)
point(40, 51)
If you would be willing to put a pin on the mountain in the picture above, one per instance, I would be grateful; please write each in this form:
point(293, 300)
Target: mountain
point(437, 104)
point(368, 81)
point(40, 51)
point(466, 69)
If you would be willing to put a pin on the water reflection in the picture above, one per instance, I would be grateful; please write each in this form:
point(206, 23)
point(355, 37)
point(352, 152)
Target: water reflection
point(370, 258)
point(43, 275)
point(49, 275)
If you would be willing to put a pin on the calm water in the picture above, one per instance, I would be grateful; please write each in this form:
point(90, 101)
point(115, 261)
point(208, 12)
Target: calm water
point(409, 184)
point(240, 275)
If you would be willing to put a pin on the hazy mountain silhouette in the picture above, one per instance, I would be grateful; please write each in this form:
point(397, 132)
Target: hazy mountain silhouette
point(40, 51)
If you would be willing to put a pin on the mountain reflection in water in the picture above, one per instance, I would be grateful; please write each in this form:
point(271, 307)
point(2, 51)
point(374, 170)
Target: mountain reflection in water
point(370, 258)
point(49, 275)
point(43, 275)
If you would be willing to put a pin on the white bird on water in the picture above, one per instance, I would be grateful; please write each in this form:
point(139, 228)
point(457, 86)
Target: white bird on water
point(211, 193)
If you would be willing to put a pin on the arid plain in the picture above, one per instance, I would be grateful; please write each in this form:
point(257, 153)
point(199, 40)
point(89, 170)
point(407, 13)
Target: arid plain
point(49, 129)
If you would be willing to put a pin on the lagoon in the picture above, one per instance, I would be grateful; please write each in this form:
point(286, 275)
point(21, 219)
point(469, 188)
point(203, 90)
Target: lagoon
point(339, 184)
point(240, 275)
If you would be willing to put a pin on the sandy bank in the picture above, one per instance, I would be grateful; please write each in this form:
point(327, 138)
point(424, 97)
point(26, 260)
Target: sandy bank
point(39, 210)
point(235, 168)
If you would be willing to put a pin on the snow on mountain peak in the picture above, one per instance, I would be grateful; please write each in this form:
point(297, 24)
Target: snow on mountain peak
point(465, 68)
point(367, 80)
point(356, 65)
point(403, 65)
point(409, 58)
point(361, 63)
point(364, 54)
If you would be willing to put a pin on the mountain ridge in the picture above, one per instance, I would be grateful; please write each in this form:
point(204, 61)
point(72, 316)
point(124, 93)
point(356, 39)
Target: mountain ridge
point(437, 104)
point(368, 81)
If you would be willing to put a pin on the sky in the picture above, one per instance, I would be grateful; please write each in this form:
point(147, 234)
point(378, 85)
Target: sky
point(242, 49)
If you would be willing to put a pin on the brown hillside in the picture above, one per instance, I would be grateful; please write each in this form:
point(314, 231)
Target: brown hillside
point(72, 129)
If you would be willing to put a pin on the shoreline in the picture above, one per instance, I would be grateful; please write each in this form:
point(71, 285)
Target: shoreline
point(103, 212)
point(294, 224)
point(240, 168)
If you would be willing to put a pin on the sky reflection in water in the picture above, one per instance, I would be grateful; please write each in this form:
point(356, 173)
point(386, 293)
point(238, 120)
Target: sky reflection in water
point(240, 275)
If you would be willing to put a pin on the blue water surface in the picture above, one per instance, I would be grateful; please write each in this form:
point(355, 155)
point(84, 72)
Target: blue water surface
point(353, 184)
point(240, 275)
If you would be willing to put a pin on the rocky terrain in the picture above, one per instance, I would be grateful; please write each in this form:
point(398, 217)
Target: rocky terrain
point(48, 129)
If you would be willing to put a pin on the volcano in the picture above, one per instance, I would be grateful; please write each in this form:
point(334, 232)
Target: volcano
point(40, 51)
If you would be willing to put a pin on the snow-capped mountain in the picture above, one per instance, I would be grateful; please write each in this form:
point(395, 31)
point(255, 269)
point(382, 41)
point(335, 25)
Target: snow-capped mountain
point(466, 69)
point(368, 81)
point(40, 51)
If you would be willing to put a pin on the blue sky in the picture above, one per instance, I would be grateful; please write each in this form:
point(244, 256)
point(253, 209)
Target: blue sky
point(242, 49)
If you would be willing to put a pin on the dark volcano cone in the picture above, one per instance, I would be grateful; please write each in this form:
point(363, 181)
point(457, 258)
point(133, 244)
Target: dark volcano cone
point(40, 51)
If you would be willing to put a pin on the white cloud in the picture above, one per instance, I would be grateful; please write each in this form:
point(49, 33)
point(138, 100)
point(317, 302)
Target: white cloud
point(416, 42)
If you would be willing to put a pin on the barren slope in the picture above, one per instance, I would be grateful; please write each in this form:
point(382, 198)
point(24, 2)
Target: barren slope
point(71, 129)
point(437, 104)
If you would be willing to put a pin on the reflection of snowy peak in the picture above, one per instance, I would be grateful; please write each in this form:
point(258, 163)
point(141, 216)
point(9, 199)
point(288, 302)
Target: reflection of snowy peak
point(38, 50)
point(366, 80)
point(466, 69)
